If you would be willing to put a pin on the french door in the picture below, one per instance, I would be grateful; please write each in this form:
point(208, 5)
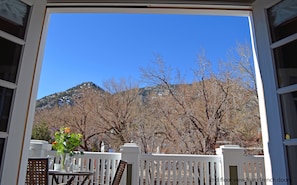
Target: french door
point(20, 29)
point(277, 54)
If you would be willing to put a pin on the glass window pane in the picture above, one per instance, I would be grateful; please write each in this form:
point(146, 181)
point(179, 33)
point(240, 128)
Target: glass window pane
point(286, 64)
point(2, 144)
point(289, 111)
point(13, 17)
point(5, 104)
point(10, 55)
point(292, 163)
point(283, 19)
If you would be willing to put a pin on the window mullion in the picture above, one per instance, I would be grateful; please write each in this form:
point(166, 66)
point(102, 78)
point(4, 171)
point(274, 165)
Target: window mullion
point(287, 89)
point(11, 38)
point(3, 135)
point(284, 41)
point(7, 84)
point(290, 142)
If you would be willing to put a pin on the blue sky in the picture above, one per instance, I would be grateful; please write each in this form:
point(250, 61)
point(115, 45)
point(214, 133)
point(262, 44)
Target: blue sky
point(97, 47)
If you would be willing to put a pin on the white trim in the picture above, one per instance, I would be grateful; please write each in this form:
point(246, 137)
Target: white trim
point(272, 129)
point(287, 89)
point(264, 57)
point(151, 5)
point(199, 6)
point(16, 152)
point(7, 84)
point(284, 41)
point(178, 9)
point(12, 38)
point(3, 135)
point(261, 99)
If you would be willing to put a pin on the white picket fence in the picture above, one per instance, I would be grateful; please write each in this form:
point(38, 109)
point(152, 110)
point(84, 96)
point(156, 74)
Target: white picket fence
point(103, 165)
point(172, 169)
point(163, 169)
point(253, 170)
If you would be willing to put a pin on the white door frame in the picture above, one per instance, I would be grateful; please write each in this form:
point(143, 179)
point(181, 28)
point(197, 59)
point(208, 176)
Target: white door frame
point(275, 135)
point(180, 9)
point(271, 129)
point(21, 116)
point(273, 145)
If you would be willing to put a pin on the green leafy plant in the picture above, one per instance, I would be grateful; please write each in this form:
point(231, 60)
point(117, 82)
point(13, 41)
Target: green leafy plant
point(41, 131)
point(66, 142)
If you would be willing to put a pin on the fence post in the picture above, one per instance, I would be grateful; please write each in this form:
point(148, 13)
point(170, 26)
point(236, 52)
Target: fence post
point(130, 153)
point(38, 148)
point(232, 164)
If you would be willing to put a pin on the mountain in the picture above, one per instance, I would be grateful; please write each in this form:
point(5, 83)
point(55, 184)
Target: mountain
point(68, 96)
point(65, 97)
point(183, 112)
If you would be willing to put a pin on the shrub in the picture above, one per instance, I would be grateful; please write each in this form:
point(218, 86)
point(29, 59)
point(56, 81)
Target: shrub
point(41, 131)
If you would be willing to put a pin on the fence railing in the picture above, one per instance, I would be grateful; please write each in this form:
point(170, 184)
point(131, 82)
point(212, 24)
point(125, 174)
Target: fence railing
point(240, 169)
point(164, 169)
point(229, 165)
point(103, 165)
point(253, 170)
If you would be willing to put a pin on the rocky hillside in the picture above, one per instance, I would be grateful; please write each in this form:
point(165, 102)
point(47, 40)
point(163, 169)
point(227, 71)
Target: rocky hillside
point(68, 96)
point(65, 97)
point(177, 116)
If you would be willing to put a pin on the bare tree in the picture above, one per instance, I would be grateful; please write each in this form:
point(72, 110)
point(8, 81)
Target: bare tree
point(83, 119)
point(196, 113)
point(79, 116)
point(117, 111)
point(246, 127)
point(168, 115)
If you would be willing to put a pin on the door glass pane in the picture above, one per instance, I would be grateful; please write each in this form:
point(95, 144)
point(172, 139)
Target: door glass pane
point(13, 17)
point(2, 142)
point(283, 19)
point(10, 55)
point(286, 64)
point(5, 104)
point(289, 111)
point(292, 163)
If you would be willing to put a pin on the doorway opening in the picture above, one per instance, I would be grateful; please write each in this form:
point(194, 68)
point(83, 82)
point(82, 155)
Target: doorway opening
point(153, 64)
